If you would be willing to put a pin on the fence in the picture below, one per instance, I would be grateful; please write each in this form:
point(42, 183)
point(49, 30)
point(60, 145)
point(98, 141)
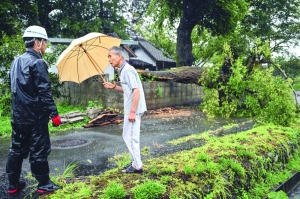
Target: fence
point(157, 94)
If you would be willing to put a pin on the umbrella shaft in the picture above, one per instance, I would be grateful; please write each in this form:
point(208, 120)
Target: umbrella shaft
point(88, 55)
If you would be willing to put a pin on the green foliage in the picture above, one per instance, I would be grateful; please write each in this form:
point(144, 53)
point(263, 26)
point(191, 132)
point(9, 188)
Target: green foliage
point(278, 195)
point(51, 59)
point(151, 189)
point(218, 169)
point(5, 130)
point(261, 19)
point(69, 171)
point(168, 13)
point(75, 190)
point(165, 179)
point(114, 191)
point(296, 83)
point(154, 171)
point(94, 104)
point(159, 91)
point(120, 159)
point(17, 15)
point(188, 169)
point(10, 47)
point(256, 91)
point(290, 65)
point(64, 107)
point(162, 39)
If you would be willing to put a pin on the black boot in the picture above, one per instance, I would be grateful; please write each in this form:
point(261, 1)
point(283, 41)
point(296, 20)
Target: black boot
point(40, 170)
point(13, 170)
point(46, 185)
point(14, 184)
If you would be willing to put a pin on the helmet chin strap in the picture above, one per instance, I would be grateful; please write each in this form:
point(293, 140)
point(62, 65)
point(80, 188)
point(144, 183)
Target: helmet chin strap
point(41, 43)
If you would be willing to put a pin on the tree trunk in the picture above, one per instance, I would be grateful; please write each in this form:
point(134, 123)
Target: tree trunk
point(190, 18)
point(181, 75)
point(184, 44)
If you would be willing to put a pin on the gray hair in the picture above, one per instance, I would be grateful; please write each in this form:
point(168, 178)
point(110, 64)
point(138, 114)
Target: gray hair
point(117, 50)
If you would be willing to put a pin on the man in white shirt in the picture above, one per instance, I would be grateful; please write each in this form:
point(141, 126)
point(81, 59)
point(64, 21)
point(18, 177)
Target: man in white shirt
point(134, 106)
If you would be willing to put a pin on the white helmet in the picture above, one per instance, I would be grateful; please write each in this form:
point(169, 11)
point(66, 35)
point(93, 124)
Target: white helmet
point(35, 32)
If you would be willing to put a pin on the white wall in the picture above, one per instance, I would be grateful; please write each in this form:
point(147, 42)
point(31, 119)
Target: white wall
point(143, 56)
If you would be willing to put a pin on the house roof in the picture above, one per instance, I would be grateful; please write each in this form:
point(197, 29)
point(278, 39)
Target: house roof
point(137, 62)
point(129, 51)
point(153, 52)
point(113, 34)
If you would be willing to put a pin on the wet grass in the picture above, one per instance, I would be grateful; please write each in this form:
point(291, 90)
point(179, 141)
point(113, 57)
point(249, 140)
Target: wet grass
point(242, 165)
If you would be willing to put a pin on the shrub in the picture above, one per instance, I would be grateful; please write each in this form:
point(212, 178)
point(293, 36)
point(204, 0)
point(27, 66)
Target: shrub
point(148, 190)
point(114, 191)
point(253, 90)
point(75, 190)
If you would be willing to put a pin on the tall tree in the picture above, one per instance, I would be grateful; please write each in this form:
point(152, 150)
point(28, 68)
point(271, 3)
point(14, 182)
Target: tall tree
point(76, 18)
point(217, 16)
point(274, 20)
point(15, 15)
point(111, 15)
point(45, 7)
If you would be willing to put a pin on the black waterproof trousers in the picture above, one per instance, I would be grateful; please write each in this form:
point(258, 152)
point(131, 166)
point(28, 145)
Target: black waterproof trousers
point(32, 140)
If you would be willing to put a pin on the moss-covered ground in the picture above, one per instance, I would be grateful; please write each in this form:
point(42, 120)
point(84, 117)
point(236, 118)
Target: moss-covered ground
point(243, 165)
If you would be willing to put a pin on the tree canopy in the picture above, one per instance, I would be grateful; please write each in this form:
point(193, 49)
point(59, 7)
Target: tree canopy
point(69, 19)
point(201, 28)
point(218, 16)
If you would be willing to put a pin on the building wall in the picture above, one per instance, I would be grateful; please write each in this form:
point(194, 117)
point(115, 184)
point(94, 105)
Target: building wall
point(172, 94)
point(143, 56)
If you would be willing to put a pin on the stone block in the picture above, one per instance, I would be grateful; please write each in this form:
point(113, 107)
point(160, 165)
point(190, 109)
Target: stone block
point(72, 114)
point(75, 119)
point(93, 112)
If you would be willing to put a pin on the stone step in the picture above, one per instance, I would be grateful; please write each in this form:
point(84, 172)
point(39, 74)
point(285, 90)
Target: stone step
point(75, 119)
point(73, 114)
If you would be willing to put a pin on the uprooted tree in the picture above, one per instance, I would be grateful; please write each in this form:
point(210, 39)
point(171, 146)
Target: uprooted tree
point(233, 87)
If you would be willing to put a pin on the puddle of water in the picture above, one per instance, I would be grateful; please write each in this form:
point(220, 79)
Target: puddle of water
point(68, 143)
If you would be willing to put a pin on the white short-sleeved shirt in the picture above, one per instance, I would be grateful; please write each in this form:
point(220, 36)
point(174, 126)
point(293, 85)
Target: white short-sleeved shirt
point(129, 79)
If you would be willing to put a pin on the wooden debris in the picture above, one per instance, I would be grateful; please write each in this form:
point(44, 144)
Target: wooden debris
point(104, 119)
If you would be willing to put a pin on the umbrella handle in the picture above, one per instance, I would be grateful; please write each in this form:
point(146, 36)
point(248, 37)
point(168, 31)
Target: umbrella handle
point(113, 86)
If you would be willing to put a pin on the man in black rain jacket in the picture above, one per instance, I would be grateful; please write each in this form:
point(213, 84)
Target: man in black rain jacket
point(32, 106)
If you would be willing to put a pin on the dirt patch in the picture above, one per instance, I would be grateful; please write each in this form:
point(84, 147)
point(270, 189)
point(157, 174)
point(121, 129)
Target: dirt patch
point(165, 113)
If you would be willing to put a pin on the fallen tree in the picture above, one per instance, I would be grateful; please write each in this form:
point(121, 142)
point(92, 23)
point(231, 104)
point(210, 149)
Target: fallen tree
point(183, 74)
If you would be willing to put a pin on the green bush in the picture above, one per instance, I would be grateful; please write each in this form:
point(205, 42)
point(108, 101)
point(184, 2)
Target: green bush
point(114, 191)
point(149, 190)
point(75, 190)
point(277, 195)
point(255, 91)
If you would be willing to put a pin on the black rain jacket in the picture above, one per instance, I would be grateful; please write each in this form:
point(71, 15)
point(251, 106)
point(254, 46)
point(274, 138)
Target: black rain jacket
point(32, 100)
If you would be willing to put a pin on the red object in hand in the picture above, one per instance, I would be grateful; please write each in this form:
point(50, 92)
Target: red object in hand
point(56, 121)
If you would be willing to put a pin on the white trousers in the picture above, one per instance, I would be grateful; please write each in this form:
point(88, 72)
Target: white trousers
point(131, 136)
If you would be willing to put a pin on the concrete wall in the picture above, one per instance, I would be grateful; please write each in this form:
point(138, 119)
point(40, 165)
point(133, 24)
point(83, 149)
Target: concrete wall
point(172, 94)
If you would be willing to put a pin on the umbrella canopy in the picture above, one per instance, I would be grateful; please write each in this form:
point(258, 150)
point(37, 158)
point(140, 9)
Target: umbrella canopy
point(85, 57)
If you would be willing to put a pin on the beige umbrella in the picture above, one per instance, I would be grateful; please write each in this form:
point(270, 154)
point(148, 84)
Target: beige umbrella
point(85, 57)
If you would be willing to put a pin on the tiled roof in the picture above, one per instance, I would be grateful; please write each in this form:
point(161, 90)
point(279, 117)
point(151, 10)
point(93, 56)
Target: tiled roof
point(138, 62)
point(113, 34)
point(153, 52)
